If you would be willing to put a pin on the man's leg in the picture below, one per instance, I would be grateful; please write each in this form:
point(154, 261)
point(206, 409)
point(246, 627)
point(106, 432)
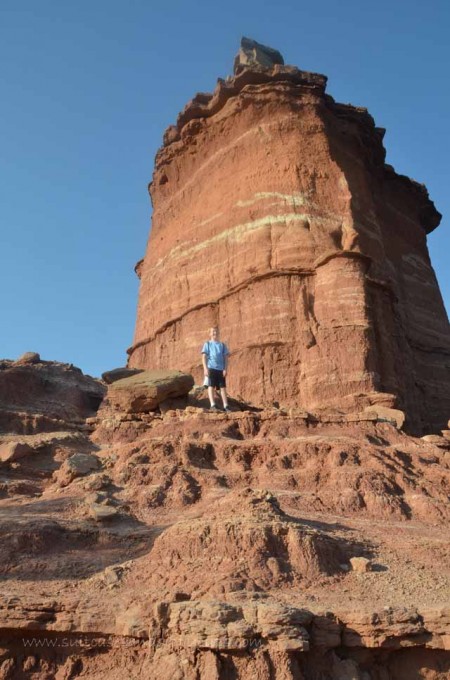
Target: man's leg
point(223, 394)
point(212, 400)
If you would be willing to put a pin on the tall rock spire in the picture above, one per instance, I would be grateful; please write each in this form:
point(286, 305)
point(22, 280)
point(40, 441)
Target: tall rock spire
point(276, 217)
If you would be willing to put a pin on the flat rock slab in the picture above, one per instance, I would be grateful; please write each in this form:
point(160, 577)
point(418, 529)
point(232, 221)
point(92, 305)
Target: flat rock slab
point(119, 374)
point(143, 392)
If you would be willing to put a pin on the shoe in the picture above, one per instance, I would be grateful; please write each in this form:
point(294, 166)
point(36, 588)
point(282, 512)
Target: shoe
point(213, 408)
point(227, 409)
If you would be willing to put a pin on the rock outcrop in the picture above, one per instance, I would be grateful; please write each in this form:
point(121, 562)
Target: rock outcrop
point(150, 537)
point(144, 391)
point(44, 396)
point(276, 217)
point(44, 409)
point(202, 546)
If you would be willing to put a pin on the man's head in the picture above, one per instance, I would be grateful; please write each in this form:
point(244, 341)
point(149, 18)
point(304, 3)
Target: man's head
point(214, 333)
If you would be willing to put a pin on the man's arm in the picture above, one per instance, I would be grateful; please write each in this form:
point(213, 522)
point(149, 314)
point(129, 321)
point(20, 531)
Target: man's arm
point(225, 360)
point(205, 365)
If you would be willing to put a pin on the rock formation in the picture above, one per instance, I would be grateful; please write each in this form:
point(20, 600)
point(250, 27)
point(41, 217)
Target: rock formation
point(44, 396)
point(189, 544)
point(146, 390)
point(276, 217)
point(148, 537)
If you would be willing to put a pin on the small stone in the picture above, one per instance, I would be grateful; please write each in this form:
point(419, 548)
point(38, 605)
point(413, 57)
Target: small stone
point(361, 564)
point(392, 415)
point(28, 358)
point(102, 512)
point(100, 498)
point(96, 482)
point(112, 575)
point(82, 463)
point(29, 663)
point(11, 451)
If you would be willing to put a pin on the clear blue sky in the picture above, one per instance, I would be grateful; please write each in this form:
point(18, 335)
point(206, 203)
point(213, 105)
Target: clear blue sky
point(88, 87)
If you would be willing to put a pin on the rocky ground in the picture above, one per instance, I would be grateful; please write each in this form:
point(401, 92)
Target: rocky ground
point(183, 543)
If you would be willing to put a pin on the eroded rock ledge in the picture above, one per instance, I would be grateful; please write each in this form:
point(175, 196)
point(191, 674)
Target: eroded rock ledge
point(178, 542)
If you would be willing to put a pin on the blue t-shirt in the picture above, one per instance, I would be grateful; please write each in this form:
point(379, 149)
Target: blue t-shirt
point(216, 353)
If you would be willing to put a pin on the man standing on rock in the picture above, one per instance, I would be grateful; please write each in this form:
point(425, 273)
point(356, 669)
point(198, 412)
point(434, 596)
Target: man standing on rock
point(214, 358)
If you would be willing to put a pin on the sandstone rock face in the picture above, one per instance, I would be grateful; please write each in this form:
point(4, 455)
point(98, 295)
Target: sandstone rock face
point(276, 217)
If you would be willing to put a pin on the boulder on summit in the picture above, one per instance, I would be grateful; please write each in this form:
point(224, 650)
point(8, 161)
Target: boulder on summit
point(252, 53)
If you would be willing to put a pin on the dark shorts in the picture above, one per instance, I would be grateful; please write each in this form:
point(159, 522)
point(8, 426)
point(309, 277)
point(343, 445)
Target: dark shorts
point(216, 378)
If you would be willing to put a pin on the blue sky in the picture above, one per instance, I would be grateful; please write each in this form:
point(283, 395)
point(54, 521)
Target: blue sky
point(88, 89)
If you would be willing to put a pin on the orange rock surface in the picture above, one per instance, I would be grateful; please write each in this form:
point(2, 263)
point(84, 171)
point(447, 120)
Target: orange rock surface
point(145, 536)
point(276, 217)
point(203, 546)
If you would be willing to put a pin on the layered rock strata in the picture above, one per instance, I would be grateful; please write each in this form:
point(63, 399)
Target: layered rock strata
point(200, 545)
point(276, 217)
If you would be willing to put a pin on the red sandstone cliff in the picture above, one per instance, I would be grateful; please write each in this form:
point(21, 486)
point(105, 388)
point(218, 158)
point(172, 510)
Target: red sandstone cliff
point(276, 217)
point(151, 538)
